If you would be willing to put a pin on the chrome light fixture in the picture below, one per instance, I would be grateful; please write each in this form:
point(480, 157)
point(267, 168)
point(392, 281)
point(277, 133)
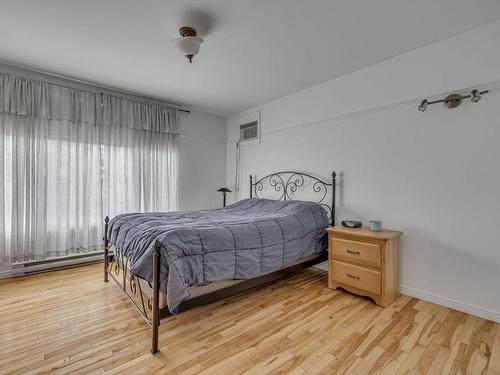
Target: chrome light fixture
point(423, 106)
point(475, 96)
point(453, 100)
point(189, 43)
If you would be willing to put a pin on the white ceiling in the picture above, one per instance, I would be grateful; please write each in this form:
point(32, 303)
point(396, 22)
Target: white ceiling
point(255, 50)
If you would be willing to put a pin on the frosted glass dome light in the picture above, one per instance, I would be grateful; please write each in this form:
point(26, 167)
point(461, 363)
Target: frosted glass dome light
point(188, 44)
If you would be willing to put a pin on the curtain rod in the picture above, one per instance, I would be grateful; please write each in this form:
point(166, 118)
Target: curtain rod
point(97, 86)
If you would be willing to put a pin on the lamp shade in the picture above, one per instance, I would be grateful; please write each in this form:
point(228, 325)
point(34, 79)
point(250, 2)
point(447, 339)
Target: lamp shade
point(224, 190)
point(188, 45)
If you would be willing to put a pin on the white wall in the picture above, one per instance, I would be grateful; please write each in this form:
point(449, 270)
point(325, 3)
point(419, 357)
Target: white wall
point(202, 156)
point(433, 175)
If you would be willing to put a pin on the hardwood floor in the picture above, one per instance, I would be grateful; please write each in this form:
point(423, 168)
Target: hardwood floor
point(71, 322)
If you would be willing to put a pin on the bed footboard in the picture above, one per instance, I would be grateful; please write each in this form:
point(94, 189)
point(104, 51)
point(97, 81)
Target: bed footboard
point(148, 306)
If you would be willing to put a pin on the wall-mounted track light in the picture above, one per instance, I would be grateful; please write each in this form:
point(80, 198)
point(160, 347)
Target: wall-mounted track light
point(453, 100)
point(475, 95)
point(422, 107)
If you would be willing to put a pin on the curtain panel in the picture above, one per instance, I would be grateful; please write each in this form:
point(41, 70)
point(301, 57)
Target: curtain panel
point(69, 157)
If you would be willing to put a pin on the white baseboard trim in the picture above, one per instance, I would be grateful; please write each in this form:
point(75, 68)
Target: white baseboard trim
point(5, 274)
point(451, 303)
point(21, 271)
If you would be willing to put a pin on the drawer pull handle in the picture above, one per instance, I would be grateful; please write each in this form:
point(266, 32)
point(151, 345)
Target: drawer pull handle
point(353, 252)
point(352, 276)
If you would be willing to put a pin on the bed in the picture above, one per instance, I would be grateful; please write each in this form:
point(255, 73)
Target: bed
point(168, 262)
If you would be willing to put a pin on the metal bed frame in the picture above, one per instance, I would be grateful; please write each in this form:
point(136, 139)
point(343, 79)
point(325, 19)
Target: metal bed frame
point(286, 185)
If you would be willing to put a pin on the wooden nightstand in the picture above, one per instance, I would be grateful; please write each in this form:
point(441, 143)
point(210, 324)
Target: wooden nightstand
point(364, 262)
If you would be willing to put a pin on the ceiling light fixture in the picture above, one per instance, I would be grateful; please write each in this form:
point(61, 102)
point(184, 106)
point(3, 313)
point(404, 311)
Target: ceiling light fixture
point(188, 44)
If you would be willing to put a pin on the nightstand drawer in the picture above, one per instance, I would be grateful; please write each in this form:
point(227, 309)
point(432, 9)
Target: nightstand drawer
point(356, 252)
point(358, 277)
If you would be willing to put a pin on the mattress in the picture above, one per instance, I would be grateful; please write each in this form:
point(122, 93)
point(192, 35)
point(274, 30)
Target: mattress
point(247, 239)
point(196, 291)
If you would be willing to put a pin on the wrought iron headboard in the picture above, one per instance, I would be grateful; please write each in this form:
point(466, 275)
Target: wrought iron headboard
point(287, 183)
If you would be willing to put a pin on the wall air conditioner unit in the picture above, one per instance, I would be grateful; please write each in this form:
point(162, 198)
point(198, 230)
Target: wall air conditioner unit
point(249, 126)
point(249, 131)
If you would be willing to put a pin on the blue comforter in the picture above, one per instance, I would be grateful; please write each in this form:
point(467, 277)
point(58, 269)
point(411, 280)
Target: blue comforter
point(241, 241)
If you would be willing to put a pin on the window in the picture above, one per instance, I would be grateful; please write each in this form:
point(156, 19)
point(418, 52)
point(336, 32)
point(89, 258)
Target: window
point(73, 158)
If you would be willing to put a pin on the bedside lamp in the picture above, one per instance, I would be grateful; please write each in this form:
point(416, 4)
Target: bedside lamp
point(224, 192)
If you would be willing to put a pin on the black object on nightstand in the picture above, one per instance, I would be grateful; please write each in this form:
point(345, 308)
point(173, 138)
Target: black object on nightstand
point(352, 224)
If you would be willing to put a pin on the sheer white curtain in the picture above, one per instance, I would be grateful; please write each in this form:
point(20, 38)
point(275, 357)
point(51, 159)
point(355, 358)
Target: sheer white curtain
point(140, 166)
point(70, 157)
